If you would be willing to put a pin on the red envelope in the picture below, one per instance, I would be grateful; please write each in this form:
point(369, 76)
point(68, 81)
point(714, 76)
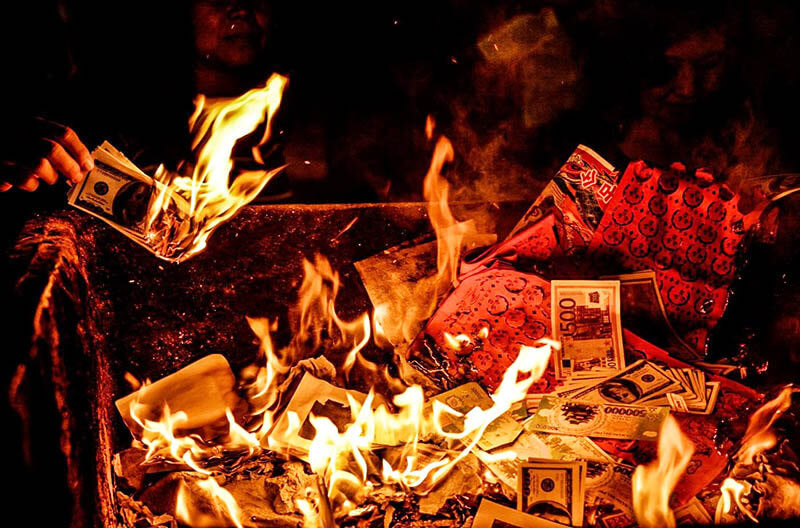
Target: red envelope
point(688, 230)
point(536, 244)
point(512, 305)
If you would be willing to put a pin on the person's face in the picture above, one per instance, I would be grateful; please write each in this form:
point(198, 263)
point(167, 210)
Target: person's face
point(231, 33)
point(697, 65)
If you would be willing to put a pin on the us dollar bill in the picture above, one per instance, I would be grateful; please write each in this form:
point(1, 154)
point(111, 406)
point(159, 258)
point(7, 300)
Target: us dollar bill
point(640, 381)
point(120, 194)
point(464, 398)
point(504, 463)
point(552, 490)
point(602, 420)
point(585, 316)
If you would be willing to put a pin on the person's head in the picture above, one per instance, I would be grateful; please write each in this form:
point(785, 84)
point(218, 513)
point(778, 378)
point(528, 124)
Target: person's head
point(230, 34)
point(696, 64)
point(691, 64)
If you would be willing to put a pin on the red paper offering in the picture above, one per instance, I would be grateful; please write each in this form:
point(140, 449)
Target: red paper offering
point(688, 230)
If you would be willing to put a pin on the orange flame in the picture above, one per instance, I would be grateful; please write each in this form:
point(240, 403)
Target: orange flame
point(732, 493)
point(653, 483)
point(209, 197)
point(397, 324)
point(223, 507)
point(759, 436)
point(341, 458)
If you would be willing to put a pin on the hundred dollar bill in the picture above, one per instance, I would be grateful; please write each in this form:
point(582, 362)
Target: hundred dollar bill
point(602, 420)
point(463, 399)
point(118, 193)
point(504, 463)
point(640, 381)
point(586, 320)
point(493, 515)
point(552, 490)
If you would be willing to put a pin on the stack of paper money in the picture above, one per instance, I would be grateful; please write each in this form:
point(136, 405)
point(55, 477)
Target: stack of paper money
point(120, 194)
point(644, 383)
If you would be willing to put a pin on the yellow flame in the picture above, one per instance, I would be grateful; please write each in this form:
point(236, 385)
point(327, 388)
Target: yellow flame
point(209, 196)
point(224, 506)
point(759, 436)
point(732, 493)
point(653, 483)
point(400, 323)
point(341, 457)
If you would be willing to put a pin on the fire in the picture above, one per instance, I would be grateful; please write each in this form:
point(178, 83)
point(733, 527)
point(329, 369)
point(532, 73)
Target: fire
point(732, 493)
point(209, 196)
point(399, 324)
point(653, 483)
point(317, 306)
point(214, 507)
point(758, 438)
point(348, 459)
point(342, 459)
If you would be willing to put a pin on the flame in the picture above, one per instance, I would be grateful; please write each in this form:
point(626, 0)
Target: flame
point(759, 436)
point(224, 509)
point(317, 312)
point(399, 324)
point(732, 493)
point(347, 461)
point(208, 198)
point(342, 459)
point(653, 483)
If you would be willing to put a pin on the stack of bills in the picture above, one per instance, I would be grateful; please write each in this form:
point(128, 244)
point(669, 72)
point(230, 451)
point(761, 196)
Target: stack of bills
point(120, 194)
point(645, 383)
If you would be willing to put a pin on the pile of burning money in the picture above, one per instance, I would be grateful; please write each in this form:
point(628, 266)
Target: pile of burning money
point(540, 390)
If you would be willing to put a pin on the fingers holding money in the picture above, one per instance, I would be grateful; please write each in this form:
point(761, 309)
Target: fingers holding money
point(43, 152)
point(67, 148)
point(58, 158)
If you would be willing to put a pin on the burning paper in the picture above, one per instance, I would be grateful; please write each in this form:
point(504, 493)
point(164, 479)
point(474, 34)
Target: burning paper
point(414, 457)
point(172, 215)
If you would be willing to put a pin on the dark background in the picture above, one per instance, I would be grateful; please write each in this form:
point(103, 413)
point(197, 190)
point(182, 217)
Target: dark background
point(363, 77)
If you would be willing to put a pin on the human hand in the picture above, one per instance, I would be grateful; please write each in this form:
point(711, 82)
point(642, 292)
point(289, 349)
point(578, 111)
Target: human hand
point(42, 150)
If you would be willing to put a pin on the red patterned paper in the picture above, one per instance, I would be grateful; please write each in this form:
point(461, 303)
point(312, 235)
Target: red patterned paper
point(688, 230)
point(578, 195)
point(536, 244)
point(709, 459)
point(515, 308)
